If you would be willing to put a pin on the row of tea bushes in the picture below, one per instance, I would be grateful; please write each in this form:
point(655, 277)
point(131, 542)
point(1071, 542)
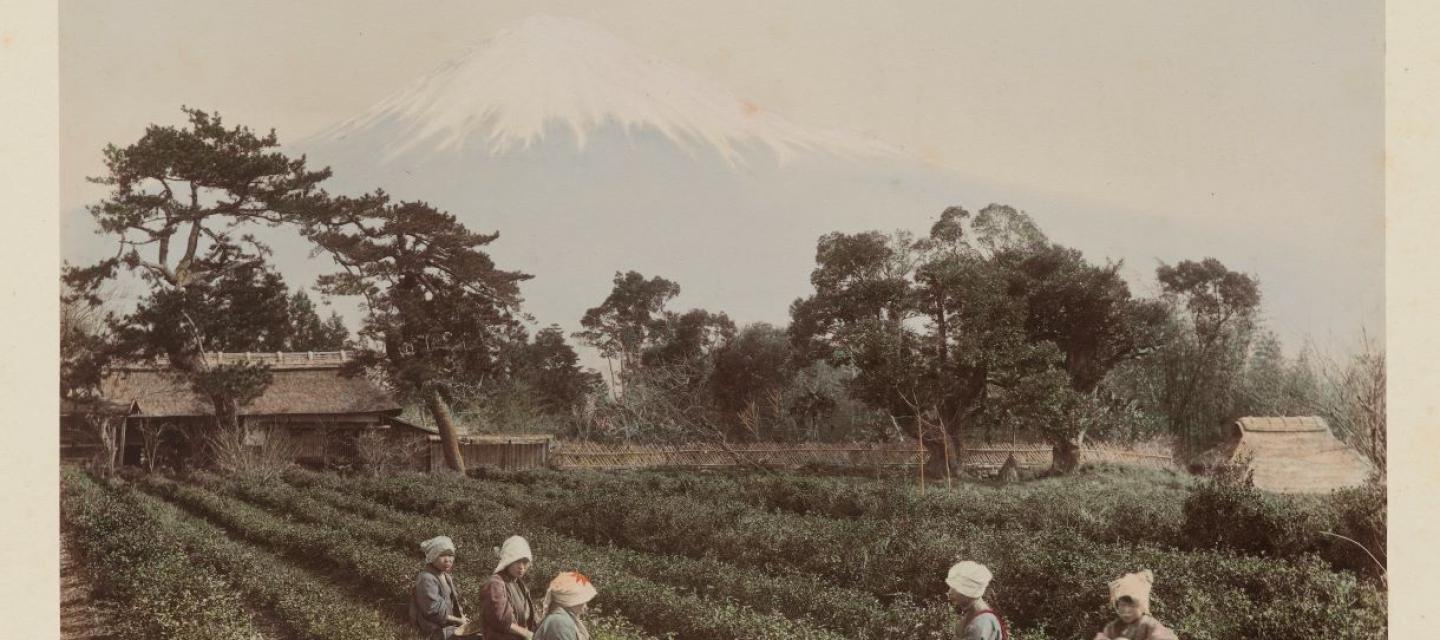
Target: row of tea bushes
point(307, 606)
point(383, 573)
point(1047, 579)
point(800, 597)
point(653, 607)
point(143, 573)
point(1087, 504)
point(1102, 504)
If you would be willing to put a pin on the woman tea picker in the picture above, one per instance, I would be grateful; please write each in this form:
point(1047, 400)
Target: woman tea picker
point(968, 581)
point(564, 605)
point(435, 601)
point(506, 611)
point(1130, 596)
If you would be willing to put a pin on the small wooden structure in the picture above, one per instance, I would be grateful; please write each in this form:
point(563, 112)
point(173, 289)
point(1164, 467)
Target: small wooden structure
point(508, 451)
point(1295, 455)
point(501, 451)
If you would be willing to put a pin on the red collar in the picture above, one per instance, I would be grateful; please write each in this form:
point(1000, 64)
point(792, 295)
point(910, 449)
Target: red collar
point(1004, 630)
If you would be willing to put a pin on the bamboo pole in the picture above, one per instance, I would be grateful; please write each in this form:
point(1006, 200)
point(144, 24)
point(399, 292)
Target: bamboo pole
point(920, 464)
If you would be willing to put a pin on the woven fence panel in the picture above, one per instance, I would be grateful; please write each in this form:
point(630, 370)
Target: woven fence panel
point(593, 456)
point(589, 456)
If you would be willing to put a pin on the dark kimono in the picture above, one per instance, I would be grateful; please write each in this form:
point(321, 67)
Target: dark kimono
point(434, 598)
point(506, 602)
point(1146, 628)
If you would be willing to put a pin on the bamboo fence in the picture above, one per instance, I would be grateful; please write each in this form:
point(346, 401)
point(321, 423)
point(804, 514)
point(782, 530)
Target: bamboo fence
point(587, 455)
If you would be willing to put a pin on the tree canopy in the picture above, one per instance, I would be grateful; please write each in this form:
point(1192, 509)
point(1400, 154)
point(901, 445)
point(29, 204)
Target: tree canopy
point(445, 313)
point(178, 195)
point(982, 320)
point(630, 320)
point(437, 302)
point(249, 308)
point(980, 326)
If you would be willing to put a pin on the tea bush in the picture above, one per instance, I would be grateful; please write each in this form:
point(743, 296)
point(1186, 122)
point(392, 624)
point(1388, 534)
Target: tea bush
point(1360, 515)
point(1105, 504)
point(798, 596)
point(1049, 578)
point(381, 573)
point(144, 574)
point(713, 556)
point(1239, 517)
point(1222, 515)
point(308, 606)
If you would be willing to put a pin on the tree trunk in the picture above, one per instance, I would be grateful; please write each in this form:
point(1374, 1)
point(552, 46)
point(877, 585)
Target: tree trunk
point(1065, 454)
point(920, 476)
point(942, 331)
point(151, 435)
point(449, 439)
point(120, 450)
point(936, 445)
point(103, 431)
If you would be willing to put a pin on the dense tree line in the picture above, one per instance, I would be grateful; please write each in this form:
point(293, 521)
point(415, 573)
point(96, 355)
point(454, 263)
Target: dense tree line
point(981, 329)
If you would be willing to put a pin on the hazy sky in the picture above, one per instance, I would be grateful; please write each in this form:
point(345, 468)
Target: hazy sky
point(1229, 112)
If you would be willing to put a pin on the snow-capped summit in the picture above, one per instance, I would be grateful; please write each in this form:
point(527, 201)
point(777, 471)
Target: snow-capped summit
point(504, 93)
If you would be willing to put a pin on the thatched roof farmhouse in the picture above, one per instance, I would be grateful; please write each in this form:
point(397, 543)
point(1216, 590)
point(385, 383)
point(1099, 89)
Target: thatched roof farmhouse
point(310, 396)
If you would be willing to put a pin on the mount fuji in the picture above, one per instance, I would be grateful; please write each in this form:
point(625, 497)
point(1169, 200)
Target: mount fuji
point(591, 157)
point(504, 94)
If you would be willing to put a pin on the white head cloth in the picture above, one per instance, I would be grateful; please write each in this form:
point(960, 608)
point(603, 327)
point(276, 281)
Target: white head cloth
point(513, 549)
point(969, 579)
point(1135, 585)
point(435, 547)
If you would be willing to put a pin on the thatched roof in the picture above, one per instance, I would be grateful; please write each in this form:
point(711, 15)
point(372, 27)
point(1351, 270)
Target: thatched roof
point(73, 407)
point(302, 384)
point(274, 359)
point(401, 425)
point(1287, 424)
point(1298, 455)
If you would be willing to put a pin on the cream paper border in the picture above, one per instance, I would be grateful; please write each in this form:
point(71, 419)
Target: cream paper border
point(29, 327)
point(1412, 276)
point(29, 250)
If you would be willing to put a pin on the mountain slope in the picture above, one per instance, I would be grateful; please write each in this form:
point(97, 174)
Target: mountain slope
point(506, 92)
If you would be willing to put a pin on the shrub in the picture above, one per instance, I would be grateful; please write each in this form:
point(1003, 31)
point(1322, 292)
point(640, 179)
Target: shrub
point(303, 603)
point(381, 454)
point(656, 607)
point(1050, 581)
point(144, 573)
point(798, 596)
point(728, 556)
point(1240, 517)
point(1344, 528)
point(1360, 515)
point(262, 452)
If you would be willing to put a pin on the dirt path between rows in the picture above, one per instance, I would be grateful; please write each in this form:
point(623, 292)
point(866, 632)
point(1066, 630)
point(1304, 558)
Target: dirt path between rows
point(80, 618)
